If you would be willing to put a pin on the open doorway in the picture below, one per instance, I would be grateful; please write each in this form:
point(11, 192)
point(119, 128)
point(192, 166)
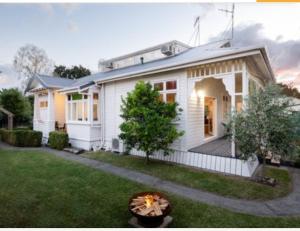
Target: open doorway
point(209, 117)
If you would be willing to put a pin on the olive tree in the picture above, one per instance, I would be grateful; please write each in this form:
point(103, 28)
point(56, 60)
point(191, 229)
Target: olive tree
point(148, 122)
point(267, 124)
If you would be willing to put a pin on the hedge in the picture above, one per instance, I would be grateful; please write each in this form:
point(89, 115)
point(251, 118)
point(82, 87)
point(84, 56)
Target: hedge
point(21, 138)
point(58, 140)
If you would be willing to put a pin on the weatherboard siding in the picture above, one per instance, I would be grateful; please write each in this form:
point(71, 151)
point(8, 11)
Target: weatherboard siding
point(116, 90)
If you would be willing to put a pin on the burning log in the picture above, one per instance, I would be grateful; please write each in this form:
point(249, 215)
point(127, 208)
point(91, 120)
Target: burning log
point(149, 205)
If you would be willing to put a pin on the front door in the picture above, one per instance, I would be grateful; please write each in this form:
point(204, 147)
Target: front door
point(210, 106)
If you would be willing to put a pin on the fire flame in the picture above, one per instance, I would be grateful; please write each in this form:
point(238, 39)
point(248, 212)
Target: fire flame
point(149, 200)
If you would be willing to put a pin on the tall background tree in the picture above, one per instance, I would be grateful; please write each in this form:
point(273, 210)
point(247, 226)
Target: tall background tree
point(31, 60)
point(75, 72)
point(289, 90)
point(148, 122)
point(14, 101)
point(267, 125)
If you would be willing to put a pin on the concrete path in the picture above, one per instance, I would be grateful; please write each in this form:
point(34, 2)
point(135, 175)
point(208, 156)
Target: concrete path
point(286, 206)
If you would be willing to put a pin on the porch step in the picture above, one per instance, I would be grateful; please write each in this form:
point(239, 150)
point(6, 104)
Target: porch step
point(75, 151)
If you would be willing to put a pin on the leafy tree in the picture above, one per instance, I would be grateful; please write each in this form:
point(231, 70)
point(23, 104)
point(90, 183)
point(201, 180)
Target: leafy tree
point(13, 100)
point(289, 90)
point(74, 72)
point(266, 125)
point(31, 60)
point(148, 122)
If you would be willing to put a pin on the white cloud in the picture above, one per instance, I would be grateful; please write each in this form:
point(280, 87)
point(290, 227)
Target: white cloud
point(69, 7)
point(72, 26)
point(284, 55)
point(9, 78)
point(47, 8)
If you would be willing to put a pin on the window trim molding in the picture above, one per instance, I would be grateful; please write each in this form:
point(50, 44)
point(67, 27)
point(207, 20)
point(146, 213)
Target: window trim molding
point(164, 92)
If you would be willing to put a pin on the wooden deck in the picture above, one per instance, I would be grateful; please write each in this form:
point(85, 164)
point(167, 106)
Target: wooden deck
point(218, 147)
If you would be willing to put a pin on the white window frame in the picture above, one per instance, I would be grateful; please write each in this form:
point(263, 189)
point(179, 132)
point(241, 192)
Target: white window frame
point(165, 91)
point(70, 102)
point(98, 108)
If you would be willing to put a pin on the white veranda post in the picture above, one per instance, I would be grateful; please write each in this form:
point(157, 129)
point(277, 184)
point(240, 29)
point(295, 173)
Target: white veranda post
point(51, 111)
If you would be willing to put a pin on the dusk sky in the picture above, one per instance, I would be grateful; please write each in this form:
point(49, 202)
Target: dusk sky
point(73, 34)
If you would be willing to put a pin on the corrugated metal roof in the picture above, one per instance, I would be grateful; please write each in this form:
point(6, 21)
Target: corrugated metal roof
point(55, 82)
point(192, 55)
point(200, 53)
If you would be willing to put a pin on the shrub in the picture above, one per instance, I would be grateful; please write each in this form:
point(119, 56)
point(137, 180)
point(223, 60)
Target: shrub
point(58, 140)
point(21, 138)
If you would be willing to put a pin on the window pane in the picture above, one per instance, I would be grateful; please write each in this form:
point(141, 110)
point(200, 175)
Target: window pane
point(238, 83)
point(95, 96)
point(69, 97)
point(74, 111)
point(159, 86)
point(171, 85)
point(69, 111)
point(85, 96)
point(95, 112)
point(161, 97)
point(238, 103)
point(79, 109)
point(76, 96)
point(171, 97)
point(85, 111)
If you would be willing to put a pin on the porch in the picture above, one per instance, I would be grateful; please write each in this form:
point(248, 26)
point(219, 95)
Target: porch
point(218, 147)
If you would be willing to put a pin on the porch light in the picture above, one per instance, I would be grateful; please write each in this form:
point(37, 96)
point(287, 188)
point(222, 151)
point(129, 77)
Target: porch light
point(194, 94)
point(200, 93)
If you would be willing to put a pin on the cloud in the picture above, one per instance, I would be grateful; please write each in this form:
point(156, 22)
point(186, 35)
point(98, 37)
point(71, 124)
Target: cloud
point(69, 8)
point(72, 26)
point(49, 8)
point(284, 55)
point(9, 77)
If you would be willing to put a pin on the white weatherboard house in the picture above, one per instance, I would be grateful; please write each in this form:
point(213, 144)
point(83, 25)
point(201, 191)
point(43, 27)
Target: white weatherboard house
point(207, 81)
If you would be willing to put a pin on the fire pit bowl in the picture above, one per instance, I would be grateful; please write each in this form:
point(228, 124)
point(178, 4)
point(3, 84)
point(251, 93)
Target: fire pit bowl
point(150, 208)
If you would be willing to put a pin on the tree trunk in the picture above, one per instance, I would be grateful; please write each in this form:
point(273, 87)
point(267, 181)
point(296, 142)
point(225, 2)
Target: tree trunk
point(264, 166)
point(147, 158)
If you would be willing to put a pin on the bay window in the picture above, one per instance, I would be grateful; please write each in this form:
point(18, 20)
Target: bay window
point(77, 107)
point(167, 90)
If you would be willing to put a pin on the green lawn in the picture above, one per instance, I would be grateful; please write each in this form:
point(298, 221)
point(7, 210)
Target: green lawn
point(236, 187)
point(40, 190)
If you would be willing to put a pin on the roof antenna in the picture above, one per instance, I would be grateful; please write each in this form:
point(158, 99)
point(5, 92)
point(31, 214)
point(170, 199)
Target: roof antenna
point(197, 29)
point(232, 18)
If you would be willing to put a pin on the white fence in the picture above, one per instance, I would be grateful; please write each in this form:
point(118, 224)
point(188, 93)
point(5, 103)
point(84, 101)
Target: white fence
point(221, 164)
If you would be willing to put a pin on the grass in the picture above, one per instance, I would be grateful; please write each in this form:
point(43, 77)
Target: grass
point(41, 190)
point(235, 187)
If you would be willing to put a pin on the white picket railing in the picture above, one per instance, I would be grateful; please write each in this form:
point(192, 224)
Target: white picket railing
point(221, 164)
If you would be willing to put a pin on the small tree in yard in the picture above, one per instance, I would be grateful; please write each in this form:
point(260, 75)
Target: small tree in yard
point(148, 122)
point(266, 125)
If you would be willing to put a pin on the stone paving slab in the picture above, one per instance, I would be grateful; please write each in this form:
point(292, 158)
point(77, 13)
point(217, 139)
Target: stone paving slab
point(286, 206)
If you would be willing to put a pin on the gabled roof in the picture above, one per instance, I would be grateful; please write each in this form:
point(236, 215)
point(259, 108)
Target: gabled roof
point(49, 82)
point(193, 56)
point(55, 82)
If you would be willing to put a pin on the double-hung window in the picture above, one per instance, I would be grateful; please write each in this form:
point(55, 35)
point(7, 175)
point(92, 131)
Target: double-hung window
point(167, 90)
